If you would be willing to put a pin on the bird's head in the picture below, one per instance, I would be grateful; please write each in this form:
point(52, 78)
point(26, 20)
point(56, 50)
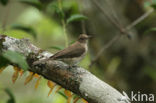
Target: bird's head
point(83, 38)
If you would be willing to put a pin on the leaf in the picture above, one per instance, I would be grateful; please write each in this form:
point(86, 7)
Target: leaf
point(84, 101)
point(3, 62)
point(147, 4)
point(21, 73)
point(37, 82)
point(57, 47)
point(67, 93)
point(76, 99)
point(46, 1)
point(72, 42)
point(36, 75)
point(69, 99)
point(12, 98)
point(1, 69)
point(27, 29)
point(16, 58)
point(76, 17)
point(150, 30)
point(151, 72)
point(34, 3)
point(29, 78)
point(62, 94)
point(58, 10)
point(4, 2)
point(58, 88)
point(154, 6)
point(51, 85)
point(15, 74)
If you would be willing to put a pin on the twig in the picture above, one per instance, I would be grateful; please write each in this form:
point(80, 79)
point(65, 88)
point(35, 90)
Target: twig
point(63, 24)
point(137, 21)
point(116, 22)
point(123, 31)
point(114, 14)
point(80, 6)
point(65, 32)
point(107, 16)
point(116, 38)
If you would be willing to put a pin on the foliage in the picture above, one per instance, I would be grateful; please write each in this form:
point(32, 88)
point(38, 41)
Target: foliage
point(3, 62)
point(34, 3)
point(69, 13)
point(56, 47)
point(76, 17)
point(16, 58)
point(58, 10)
point(27, 29)
point(4, 2)
point(151, 72)
point(10, 94)
point(150, 30)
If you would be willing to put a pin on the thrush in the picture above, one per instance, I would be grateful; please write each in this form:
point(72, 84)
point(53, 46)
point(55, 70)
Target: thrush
point(73, 54)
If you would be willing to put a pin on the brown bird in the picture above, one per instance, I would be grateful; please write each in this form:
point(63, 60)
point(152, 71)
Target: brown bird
point(73, 54)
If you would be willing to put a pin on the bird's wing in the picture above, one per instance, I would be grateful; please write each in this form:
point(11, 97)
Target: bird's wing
point(74, 50)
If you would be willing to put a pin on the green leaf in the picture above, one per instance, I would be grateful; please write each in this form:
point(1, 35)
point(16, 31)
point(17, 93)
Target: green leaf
point(76, 17)
point(16, 58)
point(3, 62)
point(10, 94)
point(151, 72)
point(58, 10)
point(150, 30)
point(147, 4)
point(34, 3)
point(154, 6)
point(46, 1)
point(63, 95)
point(72, 42)
point(57, 47)
point(4, 2)
point(27, 29)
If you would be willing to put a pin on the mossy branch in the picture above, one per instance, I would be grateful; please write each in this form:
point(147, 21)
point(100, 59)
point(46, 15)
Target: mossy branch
point(77, 79)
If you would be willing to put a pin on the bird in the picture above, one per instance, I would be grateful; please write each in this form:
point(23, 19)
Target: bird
point(74, 53)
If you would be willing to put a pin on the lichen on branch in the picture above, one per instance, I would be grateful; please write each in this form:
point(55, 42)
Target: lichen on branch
point(75, 79)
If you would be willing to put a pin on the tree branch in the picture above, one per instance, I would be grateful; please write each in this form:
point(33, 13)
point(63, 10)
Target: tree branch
point(122, 30)
point(140, 19)
point(113, 21)
point(77, 79)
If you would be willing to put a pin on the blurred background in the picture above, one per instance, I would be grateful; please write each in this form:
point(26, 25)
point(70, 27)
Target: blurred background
point(128, 64)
